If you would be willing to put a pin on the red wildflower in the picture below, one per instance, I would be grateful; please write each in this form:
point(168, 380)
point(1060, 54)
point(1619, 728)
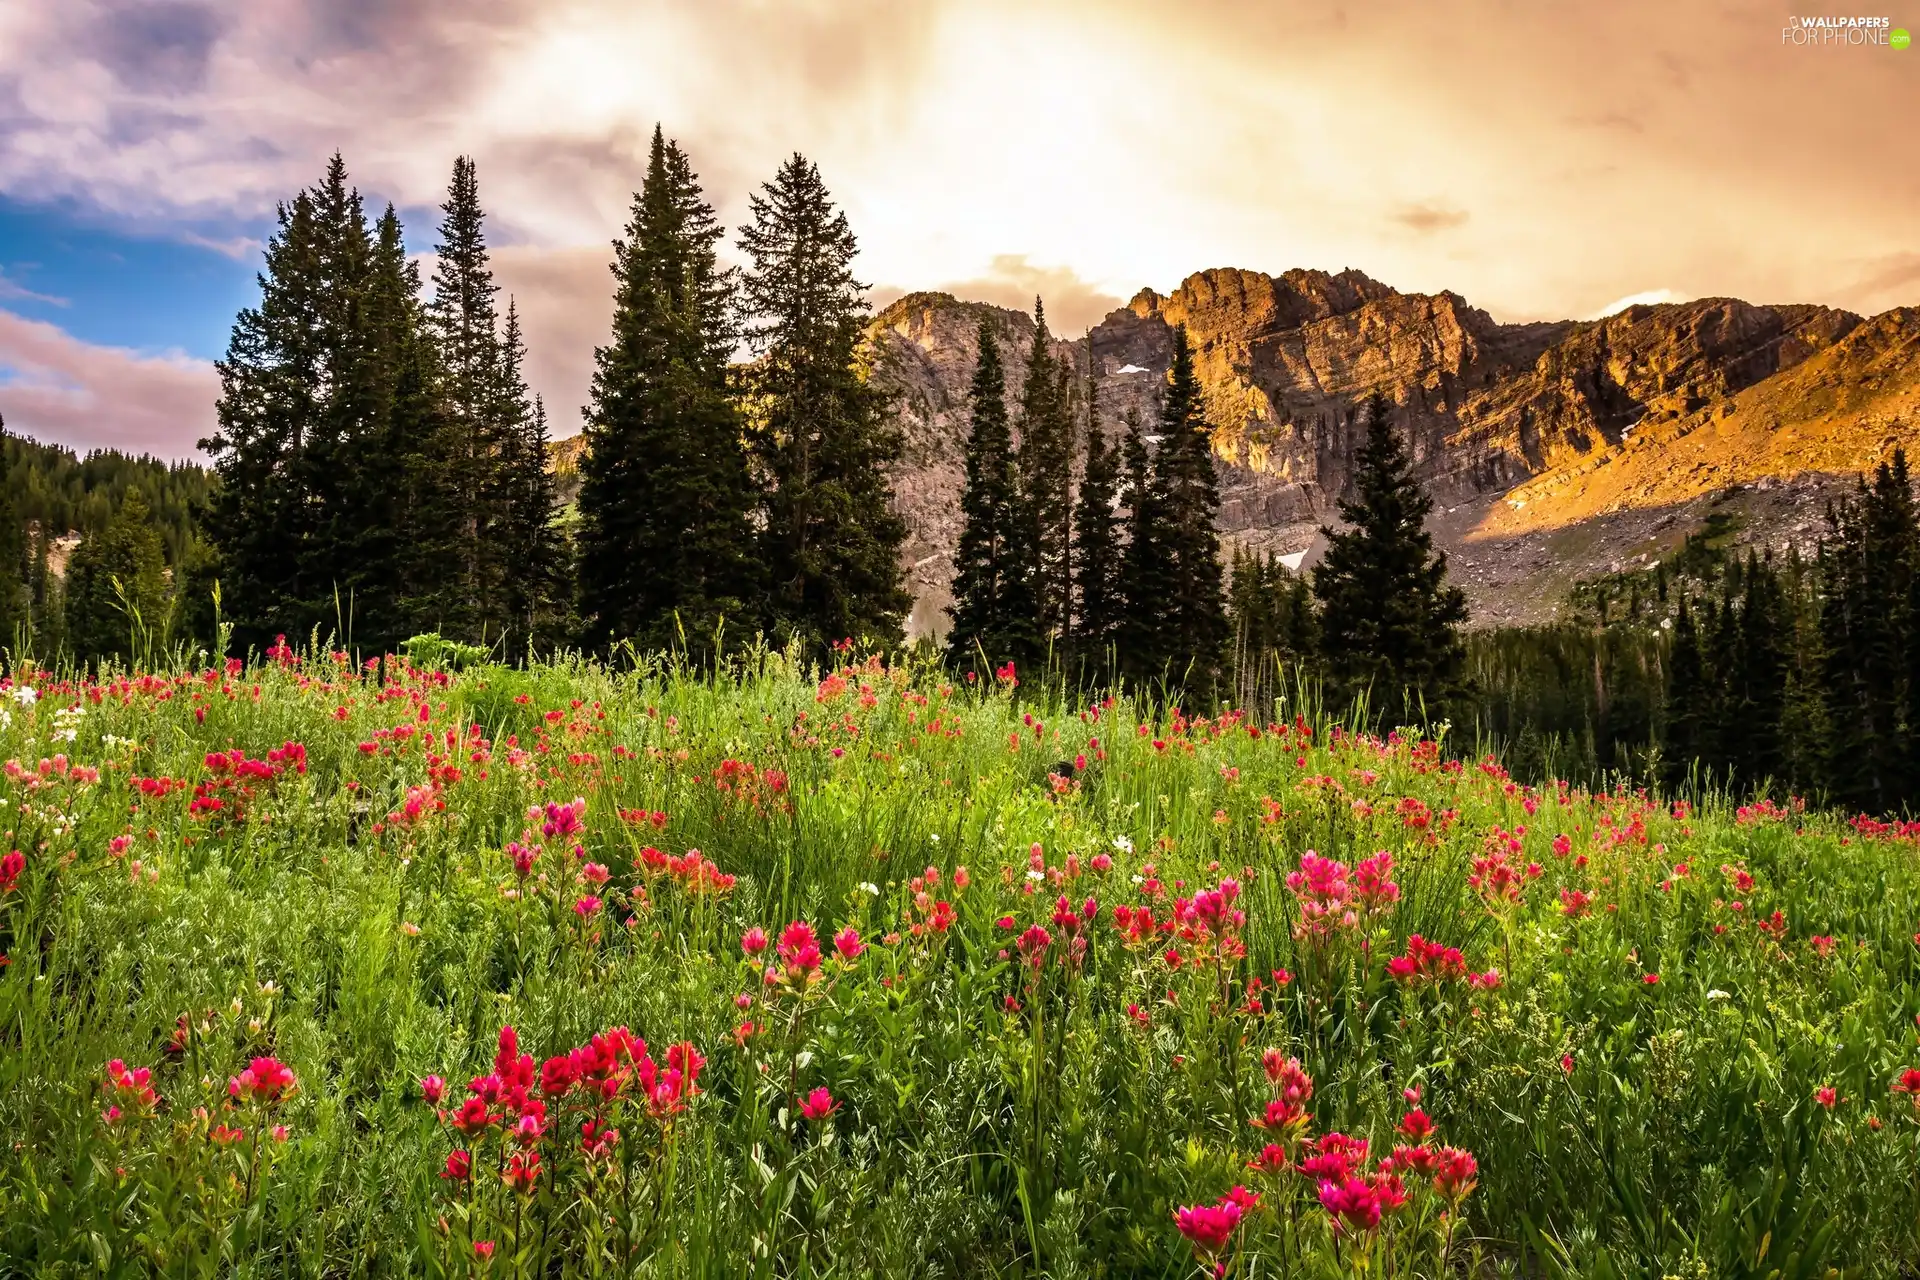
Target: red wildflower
point(433, 1088)
point(1208, 1226)
point(1351, 1203)
point(459, 1167)
point(11, 865)
point(1457, 1173)
point(754, 941)
point(522, 1172)
point(847, 943)
point(265, 1080)
point(819, 1104)
point(1827, 1096)
point(1416, 1125)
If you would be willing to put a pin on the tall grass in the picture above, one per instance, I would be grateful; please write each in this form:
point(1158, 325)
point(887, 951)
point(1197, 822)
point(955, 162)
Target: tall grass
point(362, 922)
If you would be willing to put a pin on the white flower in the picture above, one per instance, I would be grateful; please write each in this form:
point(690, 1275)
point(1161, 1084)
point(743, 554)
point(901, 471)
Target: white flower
point(25, 695)
point(935, 837)
point(869, 888)
point(6, 719)
point(1036, 875)
point(65, 735)
point(1138, 878)
point(1123, 844)
point(1718, 994)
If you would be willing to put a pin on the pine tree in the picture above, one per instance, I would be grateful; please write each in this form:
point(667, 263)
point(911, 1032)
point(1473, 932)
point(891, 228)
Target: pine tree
point(530, 546)
point(117, 601)
point(1388, 618)
point(821, 432)
point(983, 586)
point(1096, 543)
point(1188, 497)
point(1145, 585)
point(1688, 700)
point(1045, 464)
point(466, 327)
point(1765, 639)
point(666, 554)
point(14, 616)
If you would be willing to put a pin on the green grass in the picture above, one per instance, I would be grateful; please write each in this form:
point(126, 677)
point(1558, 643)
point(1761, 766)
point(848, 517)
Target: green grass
point(991, 1117)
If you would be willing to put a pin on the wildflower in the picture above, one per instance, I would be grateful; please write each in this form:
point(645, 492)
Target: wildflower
point(819, 1104)
point(459, 1167)
point(11, 865)
point(1033, 945)
point(799, 949)
point(483, 1250)
point(587, 906)
point(847, 943)
point(1351, 1203)
point(1566, 1063)
point(1272, 1159)
point(1416, 1125)
point(1208, 1226)
point(1457, 1174)
point(1335, 1158)
point(1827, 1096)
point(226, 1135)
point(265, 1080)
point(594, 873)
point(522, 1172)
point(1651, 979)
point(433, 1088)
point(754, 941)
point(1822, 943)
point(132, 1087)
point(1909, 1083)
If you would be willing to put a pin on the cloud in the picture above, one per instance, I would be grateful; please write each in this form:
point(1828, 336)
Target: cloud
point(1645, 298)
point(13, 290)
point(1426, 217)
point(61, 390)
point(1073, 305)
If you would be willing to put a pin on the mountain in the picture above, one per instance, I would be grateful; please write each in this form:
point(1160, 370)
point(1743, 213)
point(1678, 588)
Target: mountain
point(1555, 450)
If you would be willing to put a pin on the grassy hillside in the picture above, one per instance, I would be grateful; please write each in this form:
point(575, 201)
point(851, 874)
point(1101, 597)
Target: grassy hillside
point(877, 975)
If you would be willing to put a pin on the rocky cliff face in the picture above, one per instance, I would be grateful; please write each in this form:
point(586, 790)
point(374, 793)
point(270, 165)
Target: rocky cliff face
point(1495, 412)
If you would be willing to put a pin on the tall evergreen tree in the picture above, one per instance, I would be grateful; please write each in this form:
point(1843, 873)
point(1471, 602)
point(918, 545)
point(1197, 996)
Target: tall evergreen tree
point(1188, 496)
point(466, 327)
point(1046, 472)
point(666, 543)
point(303, 519)
point(118, 603)
point(1145, 582)
point(821, 432)
point(1868, 625)
point(1096, 542)
point(1759, 698)
point(1388, 617)
point(985, 588)
point(1688, 700)
point(13, 554)
point(536, 575)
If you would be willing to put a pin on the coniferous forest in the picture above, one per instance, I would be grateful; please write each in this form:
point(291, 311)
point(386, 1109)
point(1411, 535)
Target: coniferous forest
point(380, 472)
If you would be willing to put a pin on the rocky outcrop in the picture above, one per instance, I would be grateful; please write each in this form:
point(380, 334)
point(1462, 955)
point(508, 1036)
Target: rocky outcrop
point(1288, 360)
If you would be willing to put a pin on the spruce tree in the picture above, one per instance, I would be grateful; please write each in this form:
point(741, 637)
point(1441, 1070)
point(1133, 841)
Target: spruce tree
point(466, 328)
point(1096, 544)
point(983, 586)
point(117, 600)
point(535, 581)
point(666, 554)
point(1188, 496)
point(1688, 701)
point(1388, 619)
point(1046, 469)
point(14, 615)
point(821, 432)
point(1144, 580)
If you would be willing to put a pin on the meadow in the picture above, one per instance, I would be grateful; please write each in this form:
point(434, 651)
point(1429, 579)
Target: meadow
point(316, 968)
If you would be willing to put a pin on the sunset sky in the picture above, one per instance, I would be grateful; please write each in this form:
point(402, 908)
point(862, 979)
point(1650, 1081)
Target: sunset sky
point(1543, 159)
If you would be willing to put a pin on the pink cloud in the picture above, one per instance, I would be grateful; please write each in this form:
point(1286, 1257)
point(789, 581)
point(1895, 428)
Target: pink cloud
point(60, 390)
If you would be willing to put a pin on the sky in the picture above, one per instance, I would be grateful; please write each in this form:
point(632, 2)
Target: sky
point(1542, 158)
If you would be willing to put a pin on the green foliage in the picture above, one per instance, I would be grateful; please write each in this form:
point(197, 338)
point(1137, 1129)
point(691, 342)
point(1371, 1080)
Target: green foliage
point(990, 611)
point(819, 430)
point(666, 539)
point(118, 601)
point(1001, 1103)
point(1389, 621)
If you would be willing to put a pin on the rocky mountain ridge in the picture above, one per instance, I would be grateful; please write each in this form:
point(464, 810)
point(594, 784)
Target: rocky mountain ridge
point(1555, 450)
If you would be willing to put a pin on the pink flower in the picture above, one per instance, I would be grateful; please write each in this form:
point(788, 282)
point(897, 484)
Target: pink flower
point(1566, 1063)
point(847, 943)
point(1208, 1226)
point(483, 1249)
point(819, 1104)
point(11, 865)
point(799, 948)
point(433, 1088)
point(1651, 979)
point(265, 1080)
point(587, 907)
point(754, 941)
point(1457, 1173)
point(594, 873)
point(1352, 1204)
point(1827, 1096)
point(1416, 1125)
point(459, 1167)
